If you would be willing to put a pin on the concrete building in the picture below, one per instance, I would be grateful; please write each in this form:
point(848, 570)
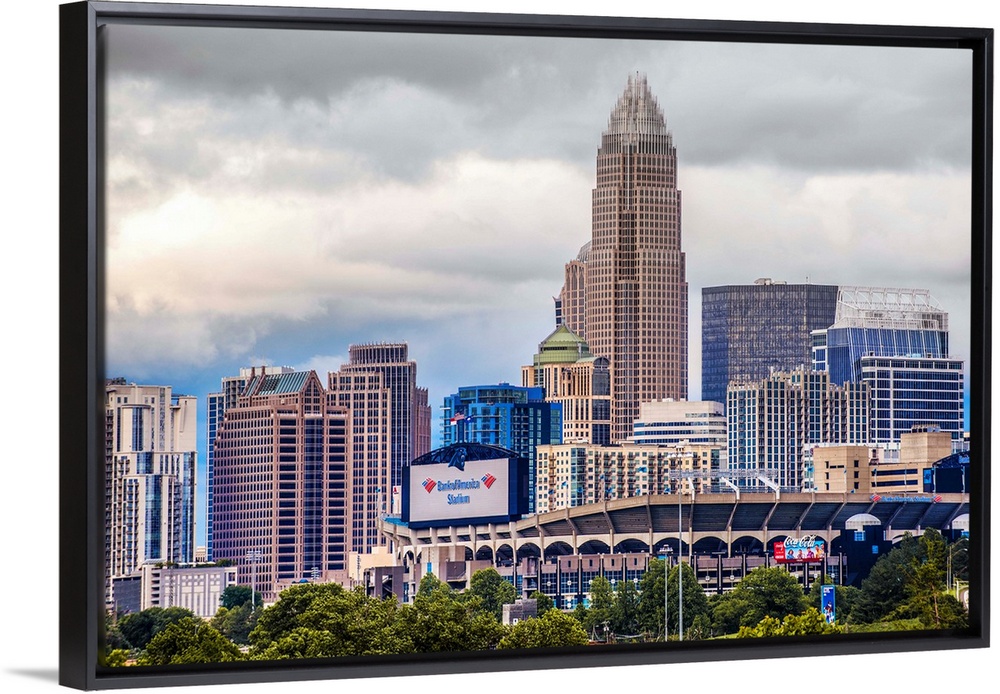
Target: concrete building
point(844, 469)
point(578, 381)
point(195, 588)
point(770, 422)
point(512, 417)
point(150, 463)
point(282, 475)
point(635, 288)
point(217, 404)
point(679, 422)
point(749, 330)
point(572, 475)
point(919, 450)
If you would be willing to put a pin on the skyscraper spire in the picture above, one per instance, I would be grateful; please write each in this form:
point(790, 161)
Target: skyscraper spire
point(635, 294)
point(636, 114)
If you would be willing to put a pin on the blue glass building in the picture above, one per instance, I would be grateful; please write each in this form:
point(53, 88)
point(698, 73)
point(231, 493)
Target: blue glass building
point(751, 329)
point(895, 341)
point(512, 417)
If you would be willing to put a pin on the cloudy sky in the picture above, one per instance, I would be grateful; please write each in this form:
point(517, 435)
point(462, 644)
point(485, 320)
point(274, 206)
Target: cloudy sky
point(274, 196)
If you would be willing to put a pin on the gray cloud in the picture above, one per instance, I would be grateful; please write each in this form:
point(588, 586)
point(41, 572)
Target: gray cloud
point(281, 195)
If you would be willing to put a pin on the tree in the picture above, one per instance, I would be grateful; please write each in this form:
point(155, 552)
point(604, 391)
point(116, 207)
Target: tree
point(281, 618)
point(552, 629)
point(695, 602)
point(764, 592)
point(811, 621)
point(884, 588)
point(237, 596)
point(926, 596)
point(323, 621)
point(139, 629)
point(236, 623)
point(189, 640)
point(625, 612)
point(494, 592)
point(543, 603)
point(651, 599)
point(440, 620)
point(598, 619)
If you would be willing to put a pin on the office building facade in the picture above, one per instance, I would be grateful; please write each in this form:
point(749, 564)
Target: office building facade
point(410, 418)
point(635, 293)
point(748, 330)
point(282, 475)
point(217, 404)
point(579, 382)
point(150, 463)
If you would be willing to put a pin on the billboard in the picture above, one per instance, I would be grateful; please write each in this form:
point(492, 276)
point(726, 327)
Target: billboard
point(828, 603)
point(441, 493)
point(800, 550)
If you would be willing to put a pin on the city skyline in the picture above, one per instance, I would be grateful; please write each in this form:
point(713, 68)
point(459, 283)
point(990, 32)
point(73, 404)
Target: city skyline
point(263, 213)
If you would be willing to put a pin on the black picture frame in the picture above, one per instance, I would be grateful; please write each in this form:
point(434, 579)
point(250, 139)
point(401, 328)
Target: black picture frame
point(81, 343)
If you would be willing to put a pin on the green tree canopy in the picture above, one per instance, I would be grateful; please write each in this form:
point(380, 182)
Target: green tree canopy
point(542, 601)
point(139, 629)
point(237, 596)
point(236, 623)
point(809, 622)
point(625, 611)
point(441, 620)
point(695, 602)
point(189, 640)
point(325, 621)
point(651, 599)
point(552, 629)
point(884, 588)
point(598, 619)
point(764, 592)
point(493, 591)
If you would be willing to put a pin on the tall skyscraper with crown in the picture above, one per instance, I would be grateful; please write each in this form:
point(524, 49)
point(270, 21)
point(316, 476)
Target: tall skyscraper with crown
point(635, 291)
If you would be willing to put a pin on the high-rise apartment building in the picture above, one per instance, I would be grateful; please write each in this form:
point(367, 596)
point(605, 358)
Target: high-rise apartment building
point(896, 342)
point(410, 415)
point(578, 381)
point(281, 481)
point(635, 293)
point(748, 330)
point(573, 474)
point(771, 421)
point(218, 403)
point(150, 463)
point(512, 417)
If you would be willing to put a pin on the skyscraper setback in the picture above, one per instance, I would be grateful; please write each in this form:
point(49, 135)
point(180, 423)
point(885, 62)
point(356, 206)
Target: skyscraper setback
point(635, 295)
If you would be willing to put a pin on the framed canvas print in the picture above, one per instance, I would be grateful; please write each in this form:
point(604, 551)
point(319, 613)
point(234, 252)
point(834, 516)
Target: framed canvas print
point(401, 342)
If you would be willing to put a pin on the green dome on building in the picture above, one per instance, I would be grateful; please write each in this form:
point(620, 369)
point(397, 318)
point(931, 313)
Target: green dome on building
point(562, 346)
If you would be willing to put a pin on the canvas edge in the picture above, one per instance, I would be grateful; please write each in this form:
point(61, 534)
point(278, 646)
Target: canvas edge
point(81, 515)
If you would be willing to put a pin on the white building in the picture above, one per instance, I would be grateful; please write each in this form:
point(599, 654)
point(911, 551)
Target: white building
point(150, 463)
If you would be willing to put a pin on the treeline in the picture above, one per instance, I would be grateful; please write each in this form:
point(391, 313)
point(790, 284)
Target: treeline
point(905, 590)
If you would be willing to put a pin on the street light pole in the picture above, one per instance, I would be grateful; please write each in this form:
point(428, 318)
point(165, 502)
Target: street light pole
point(253, 556)
point(680, 571)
